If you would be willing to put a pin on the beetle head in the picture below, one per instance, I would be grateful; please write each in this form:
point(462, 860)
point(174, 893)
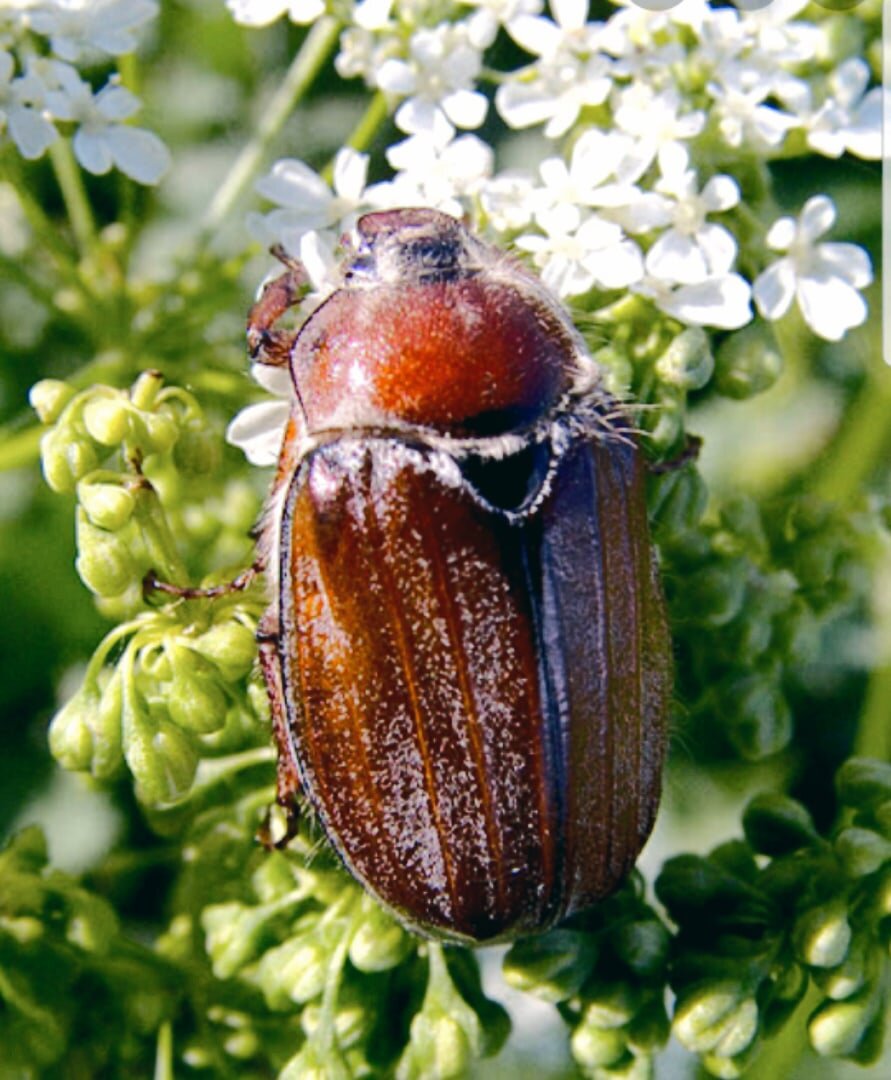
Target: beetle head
point(404, 246)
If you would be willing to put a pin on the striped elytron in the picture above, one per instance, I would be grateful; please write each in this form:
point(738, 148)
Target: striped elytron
point(466, 653)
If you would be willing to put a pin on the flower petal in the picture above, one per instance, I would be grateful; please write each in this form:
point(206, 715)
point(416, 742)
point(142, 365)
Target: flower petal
point(258, 430)
point(817, 217)
point(830, 307)
point(138, 153)
point(465, 108)
point(774, 289)
point(721, 302)
point(846, 261)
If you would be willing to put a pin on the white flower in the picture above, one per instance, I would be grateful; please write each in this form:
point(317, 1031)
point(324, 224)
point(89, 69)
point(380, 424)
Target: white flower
point(773, 33)
point(101, 140)
point(76, 27)
point(739, 94)
point(21, 113)
point(264, 12)
point(822, 278)
point(654, 120)
point(722, 301)
point(437, 79)
point(509, 200)
point(490, 14)
point(569, 75)
point(258, 429)
point(590, 178)
point(576, 254)
point(306, 201)
point(439, 173)
point(850, 118)
point(692, 250)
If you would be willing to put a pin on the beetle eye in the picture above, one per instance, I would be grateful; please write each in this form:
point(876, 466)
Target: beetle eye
point(434, 254)
point(512, 481)
point(362, 264)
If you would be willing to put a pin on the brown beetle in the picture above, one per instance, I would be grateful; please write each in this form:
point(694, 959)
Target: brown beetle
point(466, 653)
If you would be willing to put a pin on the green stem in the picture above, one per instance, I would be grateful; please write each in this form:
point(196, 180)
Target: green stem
point(785, 1050)
point(306, 65)
point(70, 181)
point(157, 537)
point(164, 1053)
point(341, 909)
point(874, 730)
point(19, 448)
point(364, 132)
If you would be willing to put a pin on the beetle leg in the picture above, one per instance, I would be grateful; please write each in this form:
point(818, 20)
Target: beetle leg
point(288, 780)
point(266, 345)
point(152, 584)
point(689, 452)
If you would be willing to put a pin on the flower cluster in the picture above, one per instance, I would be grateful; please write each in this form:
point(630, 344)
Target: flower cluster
point(42, 91)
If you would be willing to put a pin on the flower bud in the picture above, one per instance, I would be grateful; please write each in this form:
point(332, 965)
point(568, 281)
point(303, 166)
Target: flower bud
point(650, 1028)
point(65, 458)
point(718, 1019)
point(92, 925)
point(747, 363)
point(777, 825)
point(108, 506)
point(155, 431)
point(848, 977)
point(197, 450)
point(611, 1005)
point(233, 935)
point(243, 1045)
point(144, 392)
point(70, 732)
point(643, 946)
point(715, 595)
point(316, 1063)
point(274, 877)
point(687, 363)
point(230, 646)
point(439, 1047)
point(379, 943)
point(293, 972)
point(821, 935)
point(103, 561)
point(861, 851)
point(552, 966)
point(679, 501)
point(759, 721)
point(48, 398)
point(163, 761)
point(194, 698)
point(864, 782)
point(836, 1028)
point(596, 1048)
point(106, 419)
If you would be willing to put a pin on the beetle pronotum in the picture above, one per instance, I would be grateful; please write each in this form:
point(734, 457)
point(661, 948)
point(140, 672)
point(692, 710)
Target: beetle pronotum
point(466, 650)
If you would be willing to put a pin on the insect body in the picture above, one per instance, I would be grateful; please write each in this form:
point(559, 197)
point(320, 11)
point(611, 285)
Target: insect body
point(466, 652)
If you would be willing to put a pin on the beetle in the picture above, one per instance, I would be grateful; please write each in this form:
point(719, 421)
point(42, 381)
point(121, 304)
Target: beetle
point(466, 649)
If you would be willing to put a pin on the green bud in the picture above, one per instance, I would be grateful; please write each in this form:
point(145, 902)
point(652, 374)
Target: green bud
point(108, 506)
point(717, 1019)
point(678, 501)
point(234, 935)
point(861, 851)
point(848, 977)
point(836, 1028)
point(293, 972)
point(690, 884)
point(274, 877)
point(104, 561)
point(197, 449)
point(760, 722)
point(440, 1048)
point(379, 943)
point(747, 363)
point(316, 1063)
point(162, 758)
point(48, 398)
point(595, 1048)
point(643, 946)
point(797, 633)
point(863, 783)
point(777, 825)
point(552, 966)
point(715, 594)
point(156, 431)
point(107, 420)
point(24, 929)
point(731, 1068)
point(687, 363)
point(742, 517)
point(93, 924)
point(194, 698)
point(666, 423)
point(71, 733)
point(144, 391)
point(243, 1045)
point(650, 1028)
point(65, 458)
point(822, 934)
point(351, 1022)
point(231, 646)
point(611, 1005)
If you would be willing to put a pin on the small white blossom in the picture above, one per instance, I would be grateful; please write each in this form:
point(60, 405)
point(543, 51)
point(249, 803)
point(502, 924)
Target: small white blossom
point(508, 200)
point(569, 75)
point(692, 249)
point(822, 278)
point(102, 140)
point(575, 253)
point(739, 94)
point(490, 14)
point(774, 33)
point(654, 120)
point(78, 27)
point(438, 80)
point(21, 114)
point(590, 179)
point(850, 118)
point(438, 174)
point(258, 429)
point(264, 12)
point(305, 200)
point(722, 301)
